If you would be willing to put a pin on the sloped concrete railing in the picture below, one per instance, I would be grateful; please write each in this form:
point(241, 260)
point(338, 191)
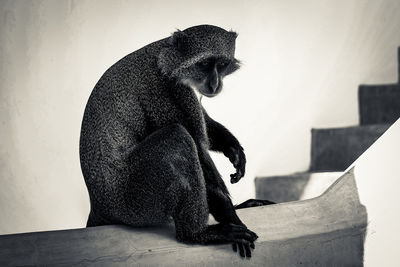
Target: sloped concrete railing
point(325, 231)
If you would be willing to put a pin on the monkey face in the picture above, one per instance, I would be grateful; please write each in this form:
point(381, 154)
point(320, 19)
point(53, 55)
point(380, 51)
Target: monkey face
point(206, 76)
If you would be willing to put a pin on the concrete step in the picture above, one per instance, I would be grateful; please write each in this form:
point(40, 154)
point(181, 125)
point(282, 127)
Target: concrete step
point(325, 231)
point(334, 149)
point(379, 103)
point(294, 187)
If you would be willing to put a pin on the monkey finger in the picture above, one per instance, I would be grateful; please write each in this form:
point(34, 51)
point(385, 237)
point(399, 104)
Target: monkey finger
point(237, 226)
point(240, 169)
point(234, 247)
point(234, 178)
point(247, 235)
point(252, 245)
point(237, 179)
point(241, 250)
point(239, 172)
point(253, 235)
point(244, 236)
point(248, 251)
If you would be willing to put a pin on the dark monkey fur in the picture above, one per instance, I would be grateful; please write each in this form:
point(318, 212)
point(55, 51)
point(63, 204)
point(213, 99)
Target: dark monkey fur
point(145, 139)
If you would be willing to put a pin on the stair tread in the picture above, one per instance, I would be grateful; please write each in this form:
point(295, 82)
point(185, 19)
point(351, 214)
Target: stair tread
point(292, 187)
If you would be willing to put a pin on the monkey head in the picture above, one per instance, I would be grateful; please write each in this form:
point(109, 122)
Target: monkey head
point(200, 57)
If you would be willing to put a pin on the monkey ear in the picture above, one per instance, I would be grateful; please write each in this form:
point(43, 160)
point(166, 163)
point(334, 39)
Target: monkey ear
point(234, 66)
point(234, 34)
point(178, 39)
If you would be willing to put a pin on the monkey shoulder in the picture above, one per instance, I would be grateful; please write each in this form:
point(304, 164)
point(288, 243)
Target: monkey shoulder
point(134, 71)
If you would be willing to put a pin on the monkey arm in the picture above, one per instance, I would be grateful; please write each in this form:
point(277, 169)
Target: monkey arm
point(220, 138)
point(224, 141)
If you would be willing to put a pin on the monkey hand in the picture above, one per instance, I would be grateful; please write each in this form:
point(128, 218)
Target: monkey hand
point(238, 158)
point(245, 247)
point(242, 239)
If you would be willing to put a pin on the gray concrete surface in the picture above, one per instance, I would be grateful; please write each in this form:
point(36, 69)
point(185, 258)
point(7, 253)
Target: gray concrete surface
point(325, 231)
point(297, 186)
point(335, 149)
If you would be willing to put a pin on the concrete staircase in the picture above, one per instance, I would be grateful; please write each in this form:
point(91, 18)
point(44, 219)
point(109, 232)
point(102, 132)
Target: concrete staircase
point(333, 150)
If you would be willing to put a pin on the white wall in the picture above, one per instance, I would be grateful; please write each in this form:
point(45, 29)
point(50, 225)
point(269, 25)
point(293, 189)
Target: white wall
point(303, 61)
point(378, 186)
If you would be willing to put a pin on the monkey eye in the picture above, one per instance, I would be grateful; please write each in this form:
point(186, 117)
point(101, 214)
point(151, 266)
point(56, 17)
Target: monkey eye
point(222, 65)
point(204, 63)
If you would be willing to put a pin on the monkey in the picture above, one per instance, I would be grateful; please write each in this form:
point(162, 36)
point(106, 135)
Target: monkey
point(145, 141)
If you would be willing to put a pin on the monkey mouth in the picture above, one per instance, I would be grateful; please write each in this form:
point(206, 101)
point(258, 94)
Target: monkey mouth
point(212, 93)
point(209, 95)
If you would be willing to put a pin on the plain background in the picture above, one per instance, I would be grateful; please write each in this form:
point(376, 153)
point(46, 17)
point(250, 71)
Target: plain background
point(302, 64)
point(377, 178)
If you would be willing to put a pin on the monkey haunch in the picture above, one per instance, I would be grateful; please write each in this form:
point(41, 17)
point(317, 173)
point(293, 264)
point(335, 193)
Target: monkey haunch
point(145, 139)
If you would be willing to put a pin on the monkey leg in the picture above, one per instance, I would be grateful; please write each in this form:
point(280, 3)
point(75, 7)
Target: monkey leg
point(219, 201)
point(222, 209)
point(163, 178)
point(162, 168)
point(220, 204)
point(176, 166)
point(254, 203)
point(95, 220)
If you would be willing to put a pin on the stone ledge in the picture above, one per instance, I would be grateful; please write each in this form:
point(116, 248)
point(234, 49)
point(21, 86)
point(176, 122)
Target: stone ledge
point(325, 231)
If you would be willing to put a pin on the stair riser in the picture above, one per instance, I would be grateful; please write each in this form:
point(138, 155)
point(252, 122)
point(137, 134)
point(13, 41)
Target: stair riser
point(337, 148)
point(379, 103)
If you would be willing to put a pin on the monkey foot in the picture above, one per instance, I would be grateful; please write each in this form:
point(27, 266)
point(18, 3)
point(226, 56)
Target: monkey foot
point(242, 239)
point(253, 203)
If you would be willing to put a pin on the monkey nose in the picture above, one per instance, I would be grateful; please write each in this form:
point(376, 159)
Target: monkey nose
point(213, 85)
